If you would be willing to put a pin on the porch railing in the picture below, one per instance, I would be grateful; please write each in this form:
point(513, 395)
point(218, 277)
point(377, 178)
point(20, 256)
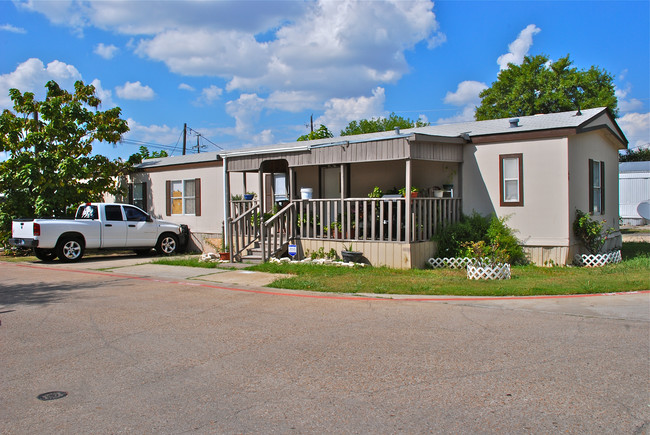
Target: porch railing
point(376, 219)
point(361, 219)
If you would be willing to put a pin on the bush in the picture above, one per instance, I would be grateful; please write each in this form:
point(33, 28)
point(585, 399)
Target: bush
point(454, 240)
point(468, 229)
point(590, 232)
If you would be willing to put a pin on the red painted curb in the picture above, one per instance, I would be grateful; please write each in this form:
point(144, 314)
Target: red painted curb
point(327, 296)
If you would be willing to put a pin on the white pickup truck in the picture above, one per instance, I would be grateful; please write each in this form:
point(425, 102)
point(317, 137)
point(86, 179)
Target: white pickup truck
point(97, 226)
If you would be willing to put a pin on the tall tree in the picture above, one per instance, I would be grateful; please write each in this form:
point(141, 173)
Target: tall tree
point(50, 170)
point(374, 125)
point(635, 155)
point(539, 86)
point(144, 153)
point(321, 132)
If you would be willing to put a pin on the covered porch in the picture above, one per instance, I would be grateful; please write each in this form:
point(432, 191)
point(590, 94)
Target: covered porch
point(336, 195)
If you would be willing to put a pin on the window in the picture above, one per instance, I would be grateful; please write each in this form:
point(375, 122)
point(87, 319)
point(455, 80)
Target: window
point(135, 215)
point(511, 175)
point(113, 212)
point(596, 187)
point(138, 195)
point(184, 197)
point(87, 212)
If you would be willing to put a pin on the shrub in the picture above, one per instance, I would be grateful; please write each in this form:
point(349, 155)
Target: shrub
point(468, 229)
point(476, 235)
point(590, 232)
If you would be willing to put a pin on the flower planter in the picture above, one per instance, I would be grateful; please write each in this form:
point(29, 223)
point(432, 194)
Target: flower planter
point(451, 262)
point(224, 256)
point(598, 260)
point(351, 256)
point(496, 271)
point(249, 197)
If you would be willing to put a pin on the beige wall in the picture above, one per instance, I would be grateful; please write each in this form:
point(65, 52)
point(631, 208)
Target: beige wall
point(211, 196)
point(542, 220)
point(593, 146)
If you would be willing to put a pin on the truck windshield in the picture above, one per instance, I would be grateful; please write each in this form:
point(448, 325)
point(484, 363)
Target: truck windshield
point(87, 212)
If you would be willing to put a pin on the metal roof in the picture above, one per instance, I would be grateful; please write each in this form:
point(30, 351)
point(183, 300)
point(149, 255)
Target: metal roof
point(179, 160)
point(634, 167)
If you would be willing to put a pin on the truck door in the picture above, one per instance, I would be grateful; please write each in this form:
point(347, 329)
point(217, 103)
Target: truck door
point(114, 228)
point(140, 232)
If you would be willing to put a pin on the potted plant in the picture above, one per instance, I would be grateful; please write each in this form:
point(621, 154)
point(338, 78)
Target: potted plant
point(414, 191)
point(249, 196)
point(236, 197)
point(438, 192)
point(351, 256)
point(449, 185)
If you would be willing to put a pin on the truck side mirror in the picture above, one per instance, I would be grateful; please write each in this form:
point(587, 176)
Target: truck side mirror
point(149, 218)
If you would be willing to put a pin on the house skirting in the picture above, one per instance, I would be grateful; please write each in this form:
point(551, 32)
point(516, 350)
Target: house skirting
point(395, 255)
point(563, 255)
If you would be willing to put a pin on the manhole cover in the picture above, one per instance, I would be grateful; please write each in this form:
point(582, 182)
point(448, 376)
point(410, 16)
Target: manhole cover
point(52, 395)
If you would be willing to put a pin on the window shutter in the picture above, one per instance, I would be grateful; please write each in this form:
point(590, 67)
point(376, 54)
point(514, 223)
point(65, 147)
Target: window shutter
point(197, 196)
point(602, 187)
point(168, 198)
point(145, 205)
point(591, 186)
point(129, 198)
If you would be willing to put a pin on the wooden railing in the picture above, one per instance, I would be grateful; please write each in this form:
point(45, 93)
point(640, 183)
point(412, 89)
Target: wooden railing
point(244, 227)
point(380, 219)
point(361, 219)
point(278, 231)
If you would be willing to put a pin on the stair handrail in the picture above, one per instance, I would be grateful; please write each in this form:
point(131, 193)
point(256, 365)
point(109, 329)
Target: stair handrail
point(253, 226)
point(273, 242)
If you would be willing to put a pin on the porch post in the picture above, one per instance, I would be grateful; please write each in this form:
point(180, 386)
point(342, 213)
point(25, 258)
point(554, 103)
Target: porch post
point(291, 175)
point(260, 179)
point(343, 228)
point(226, 207)
point(407, 197)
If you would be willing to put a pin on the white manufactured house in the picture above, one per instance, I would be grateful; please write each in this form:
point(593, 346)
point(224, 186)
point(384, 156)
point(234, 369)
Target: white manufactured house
point(634, 188)
point(537, 170)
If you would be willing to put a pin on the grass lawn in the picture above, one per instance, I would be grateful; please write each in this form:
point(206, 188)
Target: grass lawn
point(631, 274)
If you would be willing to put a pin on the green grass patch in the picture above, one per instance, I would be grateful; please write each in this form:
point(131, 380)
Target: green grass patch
point(630, 275)
point(190, 261)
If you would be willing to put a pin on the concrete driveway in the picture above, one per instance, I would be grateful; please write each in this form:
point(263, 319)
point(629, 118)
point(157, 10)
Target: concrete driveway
point(140, 353)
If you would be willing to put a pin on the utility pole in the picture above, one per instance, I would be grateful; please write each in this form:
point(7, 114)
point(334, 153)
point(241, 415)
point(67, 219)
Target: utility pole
point(311, 119)
point(198, 146)
point(184, 138)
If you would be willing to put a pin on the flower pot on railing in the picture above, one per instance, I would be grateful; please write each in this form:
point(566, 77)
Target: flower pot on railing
point(598, 260)
point(249, 197)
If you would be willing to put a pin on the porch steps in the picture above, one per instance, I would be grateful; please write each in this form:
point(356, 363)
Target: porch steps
point(254, 256)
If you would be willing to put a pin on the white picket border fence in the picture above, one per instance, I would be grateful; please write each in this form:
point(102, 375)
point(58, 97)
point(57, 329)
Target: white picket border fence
point(498, 271)
point(598, 260)
point(451, 262)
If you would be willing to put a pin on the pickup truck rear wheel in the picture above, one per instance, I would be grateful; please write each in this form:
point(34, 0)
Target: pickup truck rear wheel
point(167, 244)
point(46, 255)
point(70, 249)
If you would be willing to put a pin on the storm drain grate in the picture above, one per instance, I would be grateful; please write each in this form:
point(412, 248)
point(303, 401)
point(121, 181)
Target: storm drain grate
point(52, 395)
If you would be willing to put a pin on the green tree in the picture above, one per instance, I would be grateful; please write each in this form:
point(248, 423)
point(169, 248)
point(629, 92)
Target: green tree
point(144, 153)
point(50, 170)
point(321, 133)
point(537, 86)
point(374, 125)
point(635, 155)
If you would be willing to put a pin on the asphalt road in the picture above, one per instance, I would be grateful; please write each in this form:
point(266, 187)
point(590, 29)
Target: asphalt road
point(140, 352)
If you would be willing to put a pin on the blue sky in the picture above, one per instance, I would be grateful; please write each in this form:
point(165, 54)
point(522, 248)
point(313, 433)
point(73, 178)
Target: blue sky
point(251, 73)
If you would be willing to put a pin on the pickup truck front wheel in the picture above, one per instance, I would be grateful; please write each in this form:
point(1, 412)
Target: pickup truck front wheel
point(167, 244)
point(70, 249)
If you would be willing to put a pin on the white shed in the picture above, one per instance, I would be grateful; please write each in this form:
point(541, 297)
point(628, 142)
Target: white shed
point(634, 188)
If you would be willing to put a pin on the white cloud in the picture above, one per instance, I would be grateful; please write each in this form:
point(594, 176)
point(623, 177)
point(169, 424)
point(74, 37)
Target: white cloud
point(209, 95)
point(466, 115)
point(106, 51)
point(32, 75)
point(519, 47)
point(626, 105)
point(340, 111)
point(636, 127)
point(135, 91)
point(12, 29)
point(246, 111)
point(159, 134)
point(186, 87)
point(292, 101)
point(466, 93)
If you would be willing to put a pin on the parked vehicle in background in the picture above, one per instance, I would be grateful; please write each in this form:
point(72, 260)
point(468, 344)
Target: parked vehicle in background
point(98, 226)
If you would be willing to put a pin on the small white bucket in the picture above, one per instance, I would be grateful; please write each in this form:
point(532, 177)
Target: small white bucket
point(306, 192)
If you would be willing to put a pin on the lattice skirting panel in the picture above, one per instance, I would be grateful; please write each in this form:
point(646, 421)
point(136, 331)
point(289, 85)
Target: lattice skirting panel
point(598, 260)
point(498, 271)
point(452, 263)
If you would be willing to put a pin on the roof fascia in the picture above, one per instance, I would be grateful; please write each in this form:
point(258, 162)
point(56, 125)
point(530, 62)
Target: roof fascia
point(524, 135)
